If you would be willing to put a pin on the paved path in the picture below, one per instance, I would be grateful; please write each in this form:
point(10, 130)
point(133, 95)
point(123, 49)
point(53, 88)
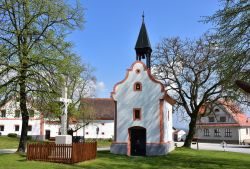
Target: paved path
point(7, 151)
point(218, 147)
point(202, 146)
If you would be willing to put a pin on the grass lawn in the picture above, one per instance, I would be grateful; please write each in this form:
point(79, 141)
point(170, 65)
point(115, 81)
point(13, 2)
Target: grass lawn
point(180, 158)
point(8, 142)
point(11, 143)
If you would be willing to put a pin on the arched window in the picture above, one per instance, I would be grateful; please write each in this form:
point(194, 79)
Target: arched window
point(137, 86)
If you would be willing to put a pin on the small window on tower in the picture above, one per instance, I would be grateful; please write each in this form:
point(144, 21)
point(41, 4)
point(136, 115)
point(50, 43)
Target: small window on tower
point(137, 86)
point(137, 71)
point(137, 114)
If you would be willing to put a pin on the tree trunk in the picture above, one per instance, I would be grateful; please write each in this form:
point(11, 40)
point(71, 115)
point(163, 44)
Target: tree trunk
point(191, 132)
point(25, 119)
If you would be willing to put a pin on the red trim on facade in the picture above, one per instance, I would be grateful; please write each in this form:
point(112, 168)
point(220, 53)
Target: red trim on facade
point(221, 124)
point(146, 143)
point(135, 86)
point(19, 118)
point(115, 122)
point(169, 99)
point(131, 69)
point(128, 144)
point(154, 80)
point(161, 122)
point(135, 119)
point(41, 124)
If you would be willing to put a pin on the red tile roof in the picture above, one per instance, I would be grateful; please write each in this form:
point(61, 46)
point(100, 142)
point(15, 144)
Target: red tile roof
point(231, 108)
point(104, 108)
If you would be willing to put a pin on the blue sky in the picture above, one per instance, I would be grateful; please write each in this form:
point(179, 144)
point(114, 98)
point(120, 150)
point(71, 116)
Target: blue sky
point(112, 26)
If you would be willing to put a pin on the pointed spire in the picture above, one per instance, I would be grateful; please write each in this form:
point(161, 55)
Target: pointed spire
point(143, 47)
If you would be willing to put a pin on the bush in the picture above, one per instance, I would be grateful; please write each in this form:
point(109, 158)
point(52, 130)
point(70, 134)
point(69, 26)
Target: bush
point(14, 135)
point(29, 137)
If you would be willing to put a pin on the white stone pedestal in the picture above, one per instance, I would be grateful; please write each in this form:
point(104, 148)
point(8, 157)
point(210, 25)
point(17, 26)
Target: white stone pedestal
point(64, 139)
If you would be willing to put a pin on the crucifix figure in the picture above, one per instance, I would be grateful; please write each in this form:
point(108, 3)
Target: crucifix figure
point(66, 103)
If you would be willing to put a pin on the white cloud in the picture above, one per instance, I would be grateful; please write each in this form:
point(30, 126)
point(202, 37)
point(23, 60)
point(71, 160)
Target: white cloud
point(100, 86)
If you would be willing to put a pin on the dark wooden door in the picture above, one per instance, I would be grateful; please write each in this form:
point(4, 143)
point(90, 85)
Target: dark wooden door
point(47, 134)
point(138, 141)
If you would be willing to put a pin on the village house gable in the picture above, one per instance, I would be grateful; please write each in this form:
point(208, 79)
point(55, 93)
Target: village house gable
point(226, 122)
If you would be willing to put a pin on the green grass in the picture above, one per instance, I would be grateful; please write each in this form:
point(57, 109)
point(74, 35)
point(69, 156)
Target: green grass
point(12, 143)
point(8, 142)
point(180, 159)
point(104, 143)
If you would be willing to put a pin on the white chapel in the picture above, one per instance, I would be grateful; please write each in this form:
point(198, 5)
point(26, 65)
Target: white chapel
point(143, 109)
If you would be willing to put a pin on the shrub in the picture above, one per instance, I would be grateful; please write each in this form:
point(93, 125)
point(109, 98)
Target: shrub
point(14, 135)
point(29, 137)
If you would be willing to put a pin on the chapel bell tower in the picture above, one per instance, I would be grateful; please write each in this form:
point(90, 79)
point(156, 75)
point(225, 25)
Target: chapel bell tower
point(143, 47)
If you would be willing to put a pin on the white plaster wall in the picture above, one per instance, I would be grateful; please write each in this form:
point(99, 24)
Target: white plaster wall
point(217, 115)
point(168, 123)
point(235, 133)
point(243, 133)
point(10, 120)
point(181, 135)
point(105, 126)
point(53, 128)
point(106, 129)
point(9, 126)
point(147, 100)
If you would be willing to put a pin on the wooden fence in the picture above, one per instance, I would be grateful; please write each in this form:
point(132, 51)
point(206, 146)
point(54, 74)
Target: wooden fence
point(62, 153)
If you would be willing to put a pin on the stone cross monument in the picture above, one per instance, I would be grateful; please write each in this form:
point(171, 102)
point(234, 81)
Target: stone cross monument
point(66, 103)
point(64, 138)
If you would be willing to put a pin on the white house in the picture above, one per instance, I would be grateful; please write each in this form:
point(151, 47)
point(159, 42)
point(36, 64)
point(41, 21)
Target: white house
point(41, 128)
point(225, 123)
point(11, 120)
point(179, 135)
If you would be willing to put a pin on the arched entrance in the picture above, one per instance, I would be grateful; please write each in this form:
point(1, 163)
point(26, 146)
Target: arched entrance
point(137, 136)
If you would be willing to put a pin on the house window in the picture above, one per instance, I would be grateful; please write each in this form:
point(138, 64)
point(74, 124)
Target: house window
point(137, 114)
point(3, 113)
point(228, 133)
point(87, 133)
point(1, 128)
point(246, 130)
point(17, 113)
point(223, 119)
point(29, 128)
point(211, 119)
point(16, 127)
point(103, 124)
point(31, 113)
point(217, 132)
point(102, 133)
point(216, 110)
point(137, 86)
point(206, 132)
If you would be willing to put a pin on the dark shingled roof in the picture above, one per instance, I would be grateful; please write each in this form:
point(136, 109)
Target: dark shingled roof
point(104, 108)
point(143, 40)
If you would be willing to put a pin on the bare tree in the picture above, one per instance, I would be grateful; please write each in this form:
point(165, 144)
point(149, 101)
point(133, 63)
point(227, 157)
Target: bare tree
point(33, 47)
point(189, 71)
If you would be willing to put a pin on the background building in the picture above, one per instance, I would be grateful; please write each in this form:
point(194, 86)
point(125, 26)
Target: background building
point(226, 122)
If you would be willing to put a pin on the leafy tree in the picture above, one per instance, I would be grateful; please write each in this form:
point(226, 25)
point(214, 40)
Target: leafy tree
point(33, 48)
point(189, 71)
point(232, 30)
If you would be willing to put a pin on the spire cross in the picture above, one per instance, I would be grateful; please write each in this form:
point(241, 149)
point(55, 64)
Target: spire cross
point(143, 16)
